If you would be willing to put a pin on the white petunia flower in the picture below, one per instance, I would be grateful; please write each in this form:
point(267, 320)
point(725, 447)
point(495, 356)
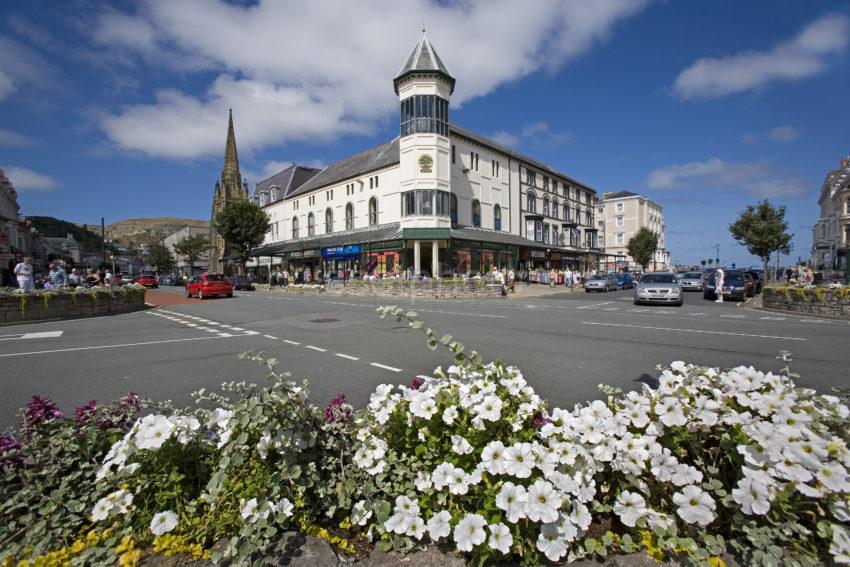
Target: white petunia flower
point(416, 528)
point(513, 498)
point(405, 505)
point(500, 538)
point(284, 509)
point(490, 408)
point(752, 496)
point(249, 510)
point(438, 525)
point(543, 502)
point(399, 523)
point(630, 507)
point(493, 457)
point(840, 546)
point(101, 510)
point(450, 415)
point(361, 513)
point(460, 445)
point(519, 460)
point(163, 522)
point(834, 477)
point(551, 543)
point(695, 506)
point(469, 532)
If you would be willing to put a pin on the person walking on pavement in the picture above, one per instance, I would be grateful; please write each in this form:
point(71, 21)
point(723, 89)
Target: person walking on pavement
point(58, 276)
point(24, 271)
point(511, 280)
point(718, 285)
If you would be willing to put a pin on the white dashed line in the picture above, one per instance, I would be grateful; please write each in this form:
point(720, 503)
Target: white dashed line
point(225, 335)
point(594, 305)
point(349, 357)
point(270, 337)
point(733, 316)
point(385, 367)
point(693, 331)
point(287, 341)
point(237, 328)
point(252, 332)
point(311, 347)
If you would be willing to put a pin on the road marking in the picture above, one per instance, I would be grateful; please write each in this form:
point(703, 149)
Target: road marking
point(106, 346)
point(462, 314)
point(225, 335)
point(385, 367)
point(237, 328)
point(252, 332)
point(311, 347)
point(814, 320)
point(594, 305)
point(733, 316)
point(41, 335)
point(349, 357)
point(287, 341)
point(772, 318)
point(270, 337)
point(693, 331)
point(697, 314)
point(611, 309)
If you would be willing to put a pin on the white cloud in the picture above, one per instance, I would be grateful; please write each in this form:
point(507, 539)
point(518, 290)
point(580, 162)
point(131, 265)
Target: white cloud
point(25, 179)
point(536, 134)
point(778, 134)
point(505, 138)
point(302, 70)
point(11, 139)
point(20, 67)
point(800, 57)
point(758, 179)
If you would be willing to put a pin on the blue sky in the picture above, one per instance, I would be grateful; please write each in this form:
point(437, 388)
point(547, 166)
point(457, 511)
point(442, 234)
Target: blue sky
point(120, 110)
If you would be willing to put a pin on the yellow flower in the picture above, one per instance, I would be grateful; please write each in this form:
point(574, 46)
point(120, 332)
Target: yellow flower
point(716, 562)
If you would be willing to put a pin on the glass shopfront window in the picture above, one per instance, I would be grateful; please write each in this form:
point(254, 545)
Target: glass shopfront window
point(422, 202)
point(382, 262)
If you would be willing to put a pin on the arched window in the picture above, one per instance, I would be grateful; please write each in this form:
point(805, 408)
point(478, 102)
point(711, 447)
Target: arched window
point(566, 191)
point(847, 207)
point(264, 199)
point(556, 209)
point(329, 221)
point(588, 218)
point(373, 211)
point(531, 202)
point(274, 194)
point(349, 216)
point(476, 212)
point(453, 208)
point(294, 227)
point(497, 217)
point(578, 214)
point(311, 225)
point(567, 212)
point(546, 205)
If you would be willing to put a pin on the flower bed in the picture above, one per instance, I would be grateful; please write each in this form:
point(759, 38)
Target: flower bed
point(437, 288)
point(293, 288)
point(708, 462)
point(17, 306)
point(816, 300)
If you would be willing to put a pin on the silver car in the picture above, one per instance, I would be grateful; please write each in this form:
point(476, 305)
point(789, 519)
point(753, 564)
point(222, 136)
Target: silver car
point(659, 287)
point(601, 282)
point(691, 281)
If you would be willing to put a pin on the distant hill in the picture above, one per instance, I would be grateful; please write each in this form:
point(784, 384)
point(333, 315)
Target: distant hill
point(148, 230)
point(51, 227)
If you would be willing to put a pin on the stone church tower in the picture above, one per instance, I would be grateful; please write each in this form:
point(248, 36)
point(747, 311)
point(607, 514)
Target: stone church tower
point(231, 187)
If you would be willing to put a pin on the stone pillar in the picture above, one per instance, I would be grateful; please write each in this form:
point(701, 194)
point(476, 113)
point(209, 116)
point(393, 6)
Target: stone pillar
point(435, 258)
point(417, 258)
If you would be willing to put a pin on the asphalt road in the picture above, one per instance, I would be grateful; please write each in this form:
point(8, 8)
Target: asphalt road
point(565, 344)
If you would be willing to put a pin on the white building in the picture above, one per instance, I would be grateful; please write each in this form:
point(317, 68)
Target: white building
point(182, 265)
point(831, 234)
point(621, 215)
point(438, 199)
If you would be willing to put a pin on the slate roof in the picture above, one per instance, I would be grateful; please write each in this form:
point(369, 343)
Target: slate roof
point(495, 236)
point(378, 233)
point(372, 159)
point(423, 60)
point(620, 195)
point(288, 180)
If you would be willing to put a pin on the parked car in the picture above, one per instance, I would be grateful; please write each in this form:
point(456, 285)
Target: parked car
point(241, 282)
point(758, 278)
point(749, 284)
point(734, 286)
point(209, 285)
point(691, 281)
point(147, 280)
point(659, 287)
point(601, 282)
point(625, 281)
point(125, 280)
point(167, 280)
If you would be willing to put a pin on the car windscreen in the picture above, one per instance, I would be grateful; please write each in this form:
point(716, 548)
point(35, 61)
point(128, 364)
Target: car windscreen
point(693, 275)
point(598, 277)
point(215, 277)
point(658, 278)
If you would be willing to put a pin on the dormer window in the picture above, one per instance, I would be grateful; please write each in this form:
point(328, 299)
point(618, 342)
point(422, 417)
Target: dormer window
point(274, 194)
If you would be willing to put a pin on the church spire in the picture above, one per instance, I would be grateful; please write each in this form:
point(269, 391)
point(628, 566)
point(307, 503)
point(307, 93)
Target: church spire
point(231, 159)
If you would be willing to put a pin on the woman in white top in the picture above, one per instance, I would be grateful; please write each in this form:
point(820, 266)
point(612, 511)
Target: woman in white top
point(24, 273)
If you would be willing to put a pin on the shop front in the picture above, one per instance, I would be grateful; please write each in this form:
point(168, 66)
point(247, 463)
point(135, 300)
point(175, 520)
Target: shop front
point(341, 262)
point(384, 258)
point(471, 258)
point(305, 266)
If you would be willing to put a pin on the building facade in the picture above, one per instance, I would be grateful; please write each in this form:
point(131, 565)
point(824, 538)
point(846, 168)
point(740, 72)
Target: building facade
point(621, 215)
point(63, 248)
point(17, 237)
point(438, 199)
point(231, 187)
point(201, 265)
point(831, 233)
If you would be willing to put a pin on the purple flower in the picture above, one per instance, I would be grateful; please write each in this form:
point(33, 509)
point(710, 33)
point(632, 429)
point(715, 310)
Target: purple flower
point(10, 451)
point(40, 410)
point(338, 411)
point(84, 414)
point(540, 420)
point(416, 383)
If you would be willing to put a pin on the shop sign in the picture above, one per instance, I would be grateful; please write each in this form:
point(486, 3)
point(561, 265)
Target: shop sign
point(341, 251)
point(310, 254)
point(388, 245)
point(426, 162)
point(538, 254)
point(426, 233)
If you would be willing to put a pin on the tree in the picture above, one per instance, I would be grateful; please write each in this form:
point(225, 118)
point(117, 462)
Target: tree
point(192, 247)
point(762, 228)
point(160, 259)
point(710, 262)
point(703, 262)
point(642, 246)
point(243, 225)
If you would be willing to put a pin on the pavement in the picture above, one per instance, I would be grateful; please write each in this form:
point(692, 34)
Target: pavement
point(565, 343)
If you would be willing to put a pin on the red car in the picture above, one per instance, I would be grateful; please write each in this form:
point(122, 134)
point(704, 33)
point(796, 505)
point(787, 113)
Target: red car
point(208, 285)
point(147, 280)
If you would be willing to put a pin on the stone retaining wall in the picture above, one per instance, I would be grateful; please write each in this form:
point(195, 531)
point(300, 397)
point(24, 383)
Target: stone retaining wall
point(807, 301)
point(67, 306)
point(426, 290)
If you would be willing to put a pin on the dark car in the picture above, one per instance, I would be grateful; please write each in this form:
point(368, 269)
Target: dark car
point(625, 281)
point(167, 280)
point(208, 285)
point(734, 286)
point(241, 282)
point(758, 279)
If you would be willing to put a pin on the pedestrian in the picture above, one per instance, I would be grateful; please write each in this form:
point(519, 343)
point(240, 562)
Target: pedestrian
point(58, 276)
point(24, 271)
point(718, 284)
point(511, 280)
point(75, 279)
point(285, 277)
point(107, 279)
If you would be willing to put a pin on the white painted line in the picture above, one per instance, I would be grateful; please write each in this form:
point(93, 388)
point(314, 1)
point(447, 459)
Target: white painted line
point(771, 318)
point(733, 316)
point(349, 357)
point(270, 337)
point(237, 328)
point(203, 328)
point(594, 305)
point(212, 330)
point(252, 332)
point(697, 314)
point(693, 331)
point(287, 341)
point(311, 347)
point(385, 367)
point(191, 325)
point(105, 346)
point(225, 335)
point(611, 309)
point(43, 335)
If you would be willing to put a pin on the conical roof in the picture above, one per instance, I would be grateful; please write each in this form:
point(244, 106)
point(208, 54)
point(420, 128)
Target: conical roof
point(231, 159)
point(423, 60)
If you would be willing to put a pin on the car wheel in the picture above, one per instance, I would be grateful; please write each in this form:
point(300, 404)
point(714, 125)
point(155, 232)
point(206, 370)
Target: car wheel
point(188, 293)
point(200, 294)
point(637, 302)
point(230, 294)
point(587, 290)
point(680, 303)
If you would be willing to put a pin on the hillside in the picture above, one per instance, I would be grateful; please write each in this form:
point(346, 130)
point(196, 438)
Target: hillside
point(148, 230)
point(51, 227)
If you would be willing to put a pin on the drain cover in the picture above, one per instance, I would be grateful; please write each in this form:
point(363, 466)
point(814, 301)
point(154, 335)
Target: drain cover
point(324, 320)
